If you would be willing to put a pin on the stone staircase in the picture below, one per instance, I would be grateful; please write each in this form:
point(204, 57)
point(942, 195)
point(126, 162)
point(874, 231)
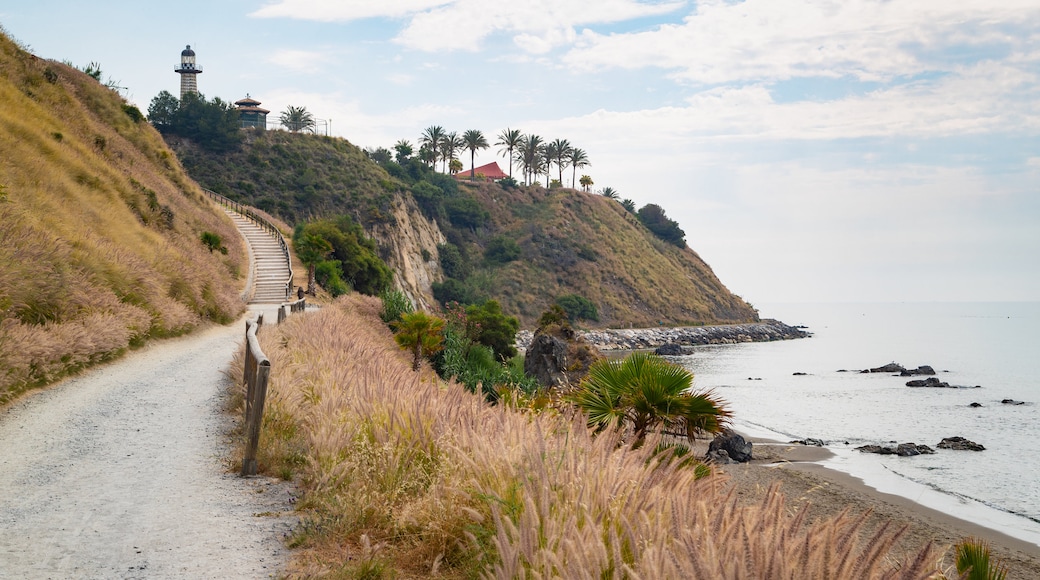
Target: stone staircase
point(271, 269)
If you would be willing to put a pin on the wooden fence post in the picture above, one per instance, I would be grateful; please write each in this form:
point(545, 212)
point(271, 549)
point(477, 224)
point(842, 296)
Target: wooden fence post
point(257, 372)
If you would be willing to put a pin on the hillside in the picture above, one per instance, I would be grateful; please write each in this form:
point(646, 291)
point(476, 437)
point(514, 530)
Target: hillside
point(565, 242)
point(99, 228)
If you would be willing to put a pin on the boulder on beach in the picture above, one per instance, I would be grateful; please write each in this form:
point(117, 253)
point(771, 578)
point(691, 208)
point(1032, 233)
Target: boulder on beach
point(921, 370)
point(902, 450)
point(809, 441)
point(670, 349)
point(960, 444)
point(733, 444)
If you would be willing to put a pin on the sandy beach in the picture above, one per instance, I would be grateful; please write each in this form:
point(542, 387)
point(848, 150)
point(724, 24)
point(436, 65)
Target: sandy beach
point(826, 492)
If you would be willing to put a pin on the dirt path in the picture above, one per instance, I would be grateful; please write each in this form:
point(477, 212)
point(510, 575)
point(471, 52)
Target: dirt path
point(120, 473)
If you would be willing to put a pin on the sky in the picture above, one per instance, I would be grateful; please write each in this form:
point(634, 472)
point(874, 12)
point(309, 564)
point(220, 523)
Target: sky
point(813, 151)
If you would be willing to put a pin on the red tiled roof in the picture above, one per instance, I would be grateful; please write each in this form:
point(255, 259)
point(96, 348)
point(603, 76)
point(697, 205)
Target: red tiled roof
point(489, 171)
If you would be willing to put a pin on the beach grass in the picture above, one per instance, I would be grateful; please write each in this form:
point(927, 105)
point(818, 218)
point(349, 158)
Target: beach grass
point(420, 478)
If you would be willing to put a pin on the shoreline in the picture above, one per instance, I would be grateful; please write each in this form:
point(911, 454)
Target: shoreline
point(678, 337)
point(808, 482)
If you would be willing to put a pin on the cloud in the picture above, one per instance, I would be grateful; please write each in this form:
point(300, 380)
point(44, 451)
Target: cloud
point(759, 40)
point(344, 10)
point(304, 61)
point(536, 26)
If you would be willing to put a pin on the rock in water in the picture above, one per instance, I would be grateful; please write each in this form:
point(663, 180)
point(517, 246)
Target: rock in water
point(960, 444)
point(929, 382)
point(921, 370)
point(670, 349)
point(736, 447)
point(902, 450)
point(889, 368)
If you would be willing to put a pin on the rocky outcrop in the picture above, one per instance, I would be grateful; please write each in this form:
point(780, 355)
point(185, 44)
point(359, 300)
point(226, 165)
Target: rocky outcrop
point(683, 336)
point(902, 450)
point(935, 383)
point(959, 444)
point(889, 368)
point(670, 349)
point(405, 241)
point(729, 447)
point(921, 370)
point(558, 358)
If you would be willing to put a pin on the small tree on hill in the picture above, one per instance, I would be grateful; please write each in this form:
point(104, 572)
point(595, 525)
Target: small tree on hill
point(420, 334)
point(586, 182)
point(311, 249)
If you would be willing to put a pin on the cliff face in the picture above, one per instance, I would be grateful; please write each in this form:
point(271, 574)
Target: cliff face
point(409, 247)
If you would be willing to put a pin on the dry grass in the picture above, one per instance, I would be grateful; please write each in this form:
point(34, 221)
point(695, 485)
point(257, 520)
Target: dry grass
point(99, 231)
point(406, 476)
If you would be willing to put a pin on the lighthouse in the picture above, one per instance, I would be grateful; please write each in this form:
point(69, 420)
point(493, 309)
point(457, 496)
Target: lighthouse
point(188, 69)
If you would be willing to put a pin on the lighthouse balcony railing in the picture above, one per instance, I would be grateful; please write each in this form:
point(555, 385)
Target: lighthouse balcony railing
point(187, 67)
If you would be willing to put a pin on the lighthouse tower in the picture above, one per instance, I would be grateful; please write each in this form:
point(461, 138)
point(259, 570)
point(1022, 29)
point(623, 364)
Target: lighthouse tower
point(188, 69)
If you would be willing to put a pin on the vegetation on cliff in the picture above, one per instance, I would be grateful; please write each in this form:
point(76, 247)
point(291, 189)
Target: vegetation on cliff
point(103, 238)
point(524, 246)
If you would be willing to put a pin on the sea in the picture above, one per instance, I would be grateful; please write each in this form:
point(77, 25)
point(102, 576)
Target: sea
point(989, 351)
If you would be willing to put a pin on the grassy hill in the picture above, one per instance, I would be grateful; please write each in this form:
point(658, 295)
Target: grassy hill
point(569, 242)
point(99, 228)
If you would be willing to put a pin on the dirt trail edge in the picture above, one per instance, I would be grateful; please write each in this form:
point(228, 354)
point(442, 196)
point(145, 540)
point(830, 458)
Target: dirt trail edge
point(120, 473)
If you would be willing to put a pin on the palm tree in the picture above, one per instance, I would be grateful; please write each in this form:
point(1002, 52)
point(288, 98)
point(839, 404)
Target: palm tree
point(473, 140)
point(431, 140)
point(311, 249)
point(549, 152)
point(561, 153)
point(610, 192)
point(404, 150)
point(648, 392)
point(297, 119)
point(454, 166)
point(508, 140)
point(450, 145)
point(529, 155)
point(421, 334)
point(578, 159)
point(586, 182)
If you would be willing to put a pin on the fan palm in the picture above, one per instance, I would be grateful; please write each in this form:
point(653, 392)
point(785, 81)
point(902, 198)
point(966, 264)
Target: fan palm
point(508, 141)
point(611, 193)
point(473, 140)
point(297, 119)
point(431, 140)
point(419, 333)
point(648, 392)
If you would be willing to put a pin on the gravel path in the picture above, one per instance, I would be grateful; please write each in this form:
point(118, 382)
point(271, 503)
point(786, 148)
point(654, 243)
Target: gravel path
point(121, 473)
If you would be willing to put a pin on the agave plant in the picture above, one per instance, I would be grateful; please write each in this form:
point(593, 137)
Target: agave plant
point(648, 392)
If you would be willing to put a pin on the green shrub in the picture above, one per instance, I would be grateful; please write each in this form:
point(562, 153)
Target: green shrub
point(653, 217)
point(395, 304)
point(487, 325)
point(453, 262)
point(452, 290)
point(578, 307)
point(329, 274)
point(501, 250)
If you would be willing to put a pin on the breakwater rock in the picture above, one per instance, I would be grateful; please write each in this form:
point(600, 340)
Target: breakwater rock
point(683, 336)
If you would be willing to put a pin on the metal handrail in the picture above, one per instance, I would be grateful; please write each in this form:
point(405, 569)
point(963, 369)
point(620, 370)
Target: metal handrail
point(266, 225)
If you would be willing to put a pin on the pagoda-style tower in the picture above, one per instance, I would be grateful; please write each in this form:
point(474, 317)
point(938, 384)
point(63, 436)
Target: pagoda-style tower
point(188, 69)
point(250, 114)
